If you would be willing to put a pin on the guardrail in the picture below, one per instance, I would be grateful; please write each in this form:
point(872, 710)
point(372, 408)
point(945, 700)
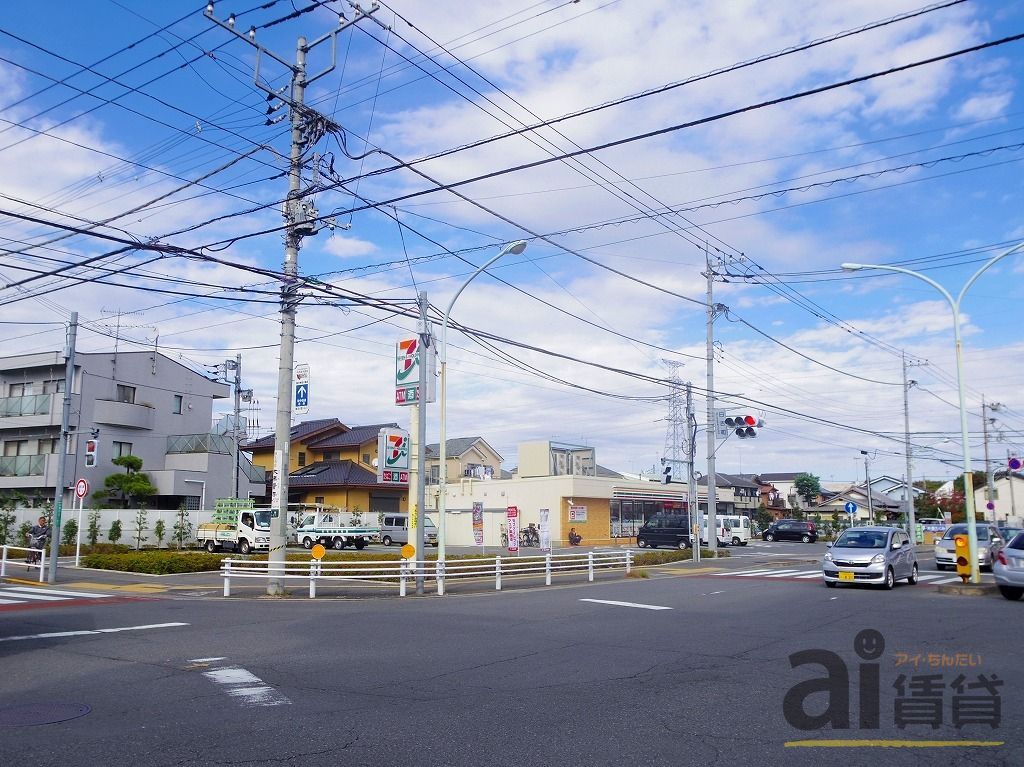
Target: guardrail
point(403, 571)
point(40, 565)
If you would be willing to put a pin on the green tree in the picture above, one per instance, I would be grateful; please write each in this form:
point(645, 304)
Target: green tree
point(808, 487)
point(182, 530)
point(133, 484)
point(94, 526)
point(8, 503)
point(763, 517)
point(22, 537)
point(69, 532)
point(140, 525)
point(978, 479)
point(115, 531)
point(159, 530)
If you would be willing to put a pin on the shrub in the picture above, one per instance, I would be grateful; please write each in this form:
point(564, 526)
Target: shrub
point(159, 530)
point(155, 562)
point(69, 532)
point(115, 531)
point(22, 537)
point(94, 527)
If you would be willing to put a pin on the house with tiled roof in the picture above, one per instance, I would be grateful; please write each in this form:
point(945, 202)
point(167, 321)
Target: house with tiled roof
point(333, 464)
point(466, 457)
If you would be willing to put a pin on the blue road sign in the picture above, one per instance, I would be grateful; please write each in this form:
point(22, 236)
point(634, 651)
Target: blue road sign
point(301, 396)
point(850, 507)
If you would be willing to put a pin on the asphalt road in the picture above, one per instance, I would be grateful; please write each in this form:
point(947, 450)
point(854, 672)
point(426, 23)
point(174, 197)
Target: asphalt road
point(521, 677)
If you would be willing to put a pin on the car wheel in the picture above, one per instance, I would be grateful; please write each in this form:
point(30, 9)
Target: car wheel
point(735, 541)
point(211, 546)
point(1011, 592)
point(683, 544)
point(805, 538)
point(386, 540)
point(244, 547)
point(830, 584)
point(338, 543)
point(307, 543)
point(769, 537)
point(641, 543)
point(913, 575)
point(890, 579)
point(361, 544)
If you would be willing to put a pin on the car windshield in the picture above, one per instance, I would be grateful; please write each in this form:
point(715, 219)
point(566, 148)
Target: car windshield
point(862, 539)
point(262, 519)
point(982, 532)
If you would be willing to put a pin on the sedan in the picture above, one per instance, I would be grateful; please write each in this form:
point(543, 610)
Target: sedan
point(1009, 568)
point(989, 543)
point(870, 554)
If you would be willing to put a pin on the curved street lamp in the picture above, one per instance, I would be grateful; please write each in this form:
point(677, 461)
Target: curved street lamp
point(515, 248)
point(972, 533)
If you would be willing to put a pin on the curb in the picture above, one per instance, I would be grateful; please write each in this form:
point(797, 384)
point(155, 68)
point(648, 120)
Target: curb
point(968, 589)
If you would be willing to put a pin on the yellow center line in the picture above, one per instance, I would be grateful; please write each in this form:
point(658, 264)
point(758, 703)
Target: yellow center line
point(892, 743)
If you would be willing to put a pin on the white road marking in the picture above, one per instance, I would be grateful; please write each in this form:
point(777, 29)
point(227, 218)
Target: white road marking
point(744, 573)
point(62, 634)
point(9, 602)
point(625, 604)
point(205, 660)
point(929, 577)
point(247, 687)
point(34, 596)
point(795, 574)
point(82, 594)
point(810, 574)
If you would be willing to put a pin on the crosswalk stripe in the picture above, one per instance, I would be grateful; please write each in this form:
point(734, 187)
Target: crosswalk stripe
point(83, 594)
point(930, 577)
point(812, 574)
point(9, 602)
point(789, 574)
point(39, 597)
point(744, 573)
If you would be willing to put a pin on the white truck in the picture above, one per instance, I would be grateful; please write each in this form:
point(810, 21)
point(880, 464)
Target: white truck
point(241, 529)
point(335, 530)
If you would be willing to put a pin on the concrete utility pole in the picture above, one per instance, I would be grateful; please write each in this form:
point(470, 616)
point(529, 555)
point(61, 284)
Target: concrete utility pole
point(302, 219)
point(420, 414)
point(234, 424)
point(990, 487)
point(908, 486)
point(65, 439)
point(692, 506)
point(710, 359)
point(1009, 480)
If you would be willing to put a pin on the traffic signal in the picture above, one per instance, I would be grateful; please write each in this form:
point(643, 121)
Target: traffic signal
point(666, 474)
point(91, 445)
point(744, 426)
point(963, 559)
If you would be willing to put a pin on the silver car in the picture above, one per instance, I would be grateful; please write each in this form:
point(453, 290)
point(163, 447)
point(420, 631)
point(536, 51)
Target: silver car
point(1008, 568)
point(989, 543)
point(878, 555)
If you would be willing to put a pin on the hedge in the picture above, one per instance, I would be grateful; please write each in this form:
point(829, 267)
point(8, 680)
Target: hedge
point(155, 562)
point(648, 558)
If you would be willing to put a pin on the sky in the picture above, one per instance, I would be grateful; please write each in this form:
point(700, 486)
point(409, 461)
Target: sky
point(630, 144)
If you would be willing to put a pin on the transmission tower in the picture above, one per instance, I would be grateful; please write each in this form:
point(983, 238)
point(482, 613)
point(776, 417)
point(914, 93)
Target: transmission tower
point(675, 431)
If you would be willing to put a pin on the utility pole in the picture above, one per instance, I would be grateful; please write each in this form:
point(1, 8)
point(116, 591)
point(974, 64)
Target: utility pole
point(692, 505)
point(65, 440)
point(710, 360)
point(419, 413)
point(1009, 479)
point(908, 487)
point(301, 219)
point(990, 488)
point(867, 488)
point(234, 424)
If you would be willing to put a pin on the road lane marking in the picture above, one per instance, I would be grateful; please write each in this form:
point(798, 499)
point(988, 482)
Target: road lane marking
point(626, 604)
point(795, 574)
point(34, 595)
point(205, 660)
point(62, 634)
point(82, 594)
point(810, 574)
point(744, 573)
point(248, 688)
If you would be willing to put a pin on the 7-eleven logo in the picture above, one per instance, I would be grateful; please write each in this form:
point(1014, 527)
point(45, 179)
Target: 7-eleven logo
point(396, 453)
point(407, 361)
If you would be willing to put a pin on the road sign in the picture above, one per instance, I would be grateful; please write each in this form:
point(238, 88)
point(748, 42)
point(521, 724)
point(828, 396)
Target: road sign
point(850, 507)
point(408, 551)
point(301, 389)
point(318, 551)
point(81, 488)
point(721, 430)
point(1014, 463)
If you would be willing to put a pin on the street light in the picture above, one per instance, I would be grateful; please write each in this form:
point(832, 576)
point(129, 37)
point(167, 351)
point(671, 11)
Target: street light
point(515, 248)
point(972, 533)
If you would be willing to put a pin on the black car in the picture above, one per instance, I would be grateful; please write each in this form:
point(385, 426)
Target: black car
point(791, 530)
point(665, 530)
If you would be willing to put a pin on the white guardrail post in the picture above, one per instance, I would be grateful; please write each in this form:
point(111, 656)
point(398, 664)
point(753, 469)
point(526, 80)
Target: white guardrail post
point(590, 565)
point(3, 562)
point(629, 560)
point(440, 578)
point(401, 578)
point(313, 569)
point(43, 561)
point(497, 573)
point(226, 564)
point(547, 569)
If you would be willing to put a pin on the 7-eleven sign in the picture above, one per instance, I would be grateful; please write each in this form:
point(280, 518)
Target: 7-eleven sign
point(414, 372)
point(393, 457)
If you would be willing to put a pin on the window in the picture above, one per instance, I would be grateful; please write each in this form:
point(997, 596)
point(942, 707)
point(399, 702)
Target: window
point(318, 499)
point(331, 455)
point(366, 458)
point(122, 449)
point(48, 446)
point(435, 475)
point(53, 386)
point(176, 409)
point(20, 390)
point(302, 458)
point(15, 447)
point(126, 394)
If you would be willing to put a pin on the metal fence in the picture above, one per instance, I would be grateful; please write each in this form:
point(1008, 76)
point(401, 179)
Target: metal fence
point(401, 573)
point(8, 563)
point(33, 404)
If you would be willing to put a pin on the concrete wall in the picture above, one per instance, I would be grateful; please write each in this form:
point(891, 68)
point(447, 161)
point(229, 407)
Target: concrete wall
point(107, 517)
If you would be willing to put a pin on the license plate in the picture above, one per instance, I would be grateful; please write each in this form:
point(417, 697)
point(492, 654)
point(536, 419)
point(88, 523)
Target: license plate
point(845, 576)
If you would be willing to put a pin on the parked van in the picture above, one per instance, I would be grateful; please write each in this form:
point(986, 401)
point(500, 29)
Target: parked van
point(665, 530)
point(737, 529)
point(395, 529)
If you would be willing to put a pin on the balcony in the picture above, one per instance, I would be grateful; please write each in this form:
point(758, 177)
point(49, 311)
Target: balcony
point(31, 412)
point(200, 443)
point(124, 414)
point(22, 465)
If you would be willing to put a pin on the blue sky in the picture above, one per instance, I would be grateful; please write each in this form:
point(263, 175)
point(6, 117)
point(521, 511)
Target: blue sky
point(918, 167)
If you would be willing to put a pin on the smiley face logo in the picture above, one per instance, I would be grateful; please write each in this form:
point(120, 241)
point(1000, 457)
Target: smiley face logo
point(869, 644)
